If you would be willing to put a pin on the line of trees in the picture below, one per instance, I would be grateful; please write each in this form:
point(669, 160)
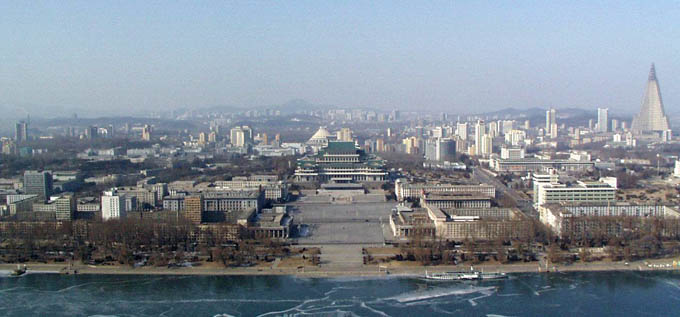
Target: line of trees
point(129, 241)
point(619, 238)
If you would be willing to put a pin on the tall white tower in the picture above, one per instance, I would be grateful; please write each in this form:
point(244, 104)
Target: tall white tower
point(480, 131)
point(603, 119)
point(550, 119)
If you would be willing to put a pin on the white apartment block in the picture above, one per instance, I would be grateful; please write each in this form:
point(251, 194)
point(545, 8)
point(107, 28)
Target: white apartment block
point(113, 205)
point(560, 217)
point(552, 191)
point(515, 137)
point(512, 153)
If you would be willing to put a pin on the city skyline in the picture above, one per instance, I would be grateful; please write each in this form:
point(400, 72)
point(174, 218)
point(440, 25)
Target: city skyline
point(379, 158)
point(448, 58)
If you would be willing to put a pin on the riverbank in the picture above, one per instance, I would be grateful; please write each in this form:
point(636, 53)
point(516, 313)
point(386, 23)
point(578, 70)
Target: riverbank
point(569, 294)
point(350, 271)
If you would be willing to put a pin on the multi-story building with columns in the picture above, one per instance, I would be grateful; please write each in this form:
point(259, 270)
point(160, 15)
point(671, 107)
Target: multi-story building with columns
point(341, 162)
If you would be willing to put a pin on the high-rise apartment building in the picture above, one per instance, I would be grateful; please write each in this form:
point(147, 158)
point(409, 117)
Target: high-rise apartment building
point(21, 132)
point(480, 131)
point(241, 136)
point(379, 145)
point(515, 137)
point(507, 126)
point(38, 183)
point(493, 129)
point(440, 149)
point(146, 132)
point(461, 130)
point(237, 136)
point(550, 120)
point(438, 132)
point(110, 131)
point(91, 132)
point(193, 208)
point(345, 134)
point(603, 119)
point(113, 205)
point(487, 145)
point(65, 207)
point(553, 131)
point(410, 145)
point(445, 150)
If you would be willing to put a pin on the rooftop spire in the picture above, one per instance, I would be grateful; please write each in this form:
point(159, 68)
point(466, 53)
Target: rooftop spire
point(652, 73)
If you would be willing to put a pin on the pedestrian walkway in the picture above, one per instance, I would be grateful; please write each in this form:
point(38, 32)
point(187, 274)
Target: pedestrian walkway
point(341, 255)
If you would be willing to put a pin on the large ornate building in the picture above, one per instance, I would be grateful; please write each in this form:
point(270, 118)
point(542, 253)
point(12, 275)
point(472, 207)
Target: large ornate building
point(340, 162)
point(652, 116)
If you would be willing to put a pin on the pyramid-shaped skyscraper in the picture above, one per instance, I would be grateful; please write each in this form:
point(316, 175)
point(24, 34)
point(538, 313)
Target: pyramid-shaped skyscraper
point(652, 116)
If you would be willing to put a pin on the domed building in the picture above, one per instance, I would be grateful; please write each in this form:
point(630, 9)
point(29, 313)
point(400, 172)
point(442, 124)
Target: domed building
point(320, 138)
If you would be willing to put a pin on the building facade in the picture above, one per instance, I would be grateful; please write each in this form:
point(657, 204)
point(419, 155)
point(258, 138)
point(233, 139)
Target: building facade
point(579, 219)
point(193, 208)
point(113, 205)
point(525, 165)
point(340, 161)
point(38, 183)
point(652, 116)
point(404, 190)
point(547, 192)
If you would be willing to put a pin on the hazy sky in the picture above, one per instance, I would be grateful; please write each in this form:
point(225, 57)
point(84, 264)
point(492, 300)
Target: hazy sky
point(466, 56)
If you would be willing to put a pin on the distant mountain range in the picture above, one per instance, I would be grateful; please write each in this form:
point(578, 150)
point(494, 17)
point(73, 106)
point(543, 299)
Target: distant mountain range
point(15, 112)
point(535, 111)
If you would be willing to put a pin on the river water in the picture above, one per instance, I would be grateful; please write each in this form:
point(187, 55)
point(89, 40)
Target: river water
point(561, 294)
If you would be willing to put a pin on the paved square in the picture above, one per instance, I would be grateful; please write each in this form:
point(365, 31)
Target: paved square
point(349, 233)
point(358, 223)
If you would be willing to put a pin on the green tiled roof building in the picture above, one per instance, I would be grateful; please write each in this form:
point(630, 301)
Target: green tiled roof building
point(340, 162)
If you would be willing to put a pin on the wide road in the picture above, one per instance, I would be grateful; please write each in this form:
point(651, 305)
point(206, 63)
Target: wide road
point(526, 205)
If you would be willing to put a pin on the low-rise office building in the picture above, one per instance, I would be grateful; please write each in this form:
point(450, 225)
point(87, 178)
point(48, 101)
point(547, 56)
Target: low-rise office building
point(173, 202)
point(513, 165)
point(449, 200)
point(274, 189)
point(405, 190)
point(88, 204)
point(458, 224)
point(19, 203)
point(272, 223)
point(230, 200)
point(547, 190)
point(61, 208)
point(146, 198)
point(409, 222)
point(578, 219)
point(478, 223)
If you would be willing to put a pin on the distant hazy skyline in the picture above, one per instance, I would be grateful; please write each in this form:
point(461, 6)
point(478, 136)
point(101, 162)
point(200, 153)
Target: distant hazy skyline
point(461, 57)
